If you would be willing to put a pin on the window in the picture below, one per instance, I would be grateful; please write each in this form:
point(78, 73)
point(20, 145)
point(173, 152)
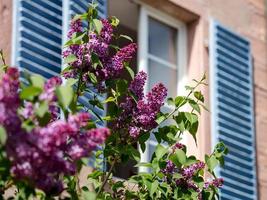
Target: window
point(162, 54)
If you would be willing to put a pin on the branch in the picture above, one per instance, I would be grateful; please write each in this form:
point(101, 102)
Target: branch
point(106, 178)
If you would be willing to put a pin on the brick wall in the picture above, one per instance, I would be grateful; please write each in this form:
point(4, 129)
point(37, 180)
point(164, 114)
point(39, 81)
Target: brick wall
point(6, 27)
point(248, 18)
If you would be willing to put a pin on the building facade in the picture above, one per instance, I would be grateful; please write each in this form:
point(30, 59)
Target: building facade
point(178, 40)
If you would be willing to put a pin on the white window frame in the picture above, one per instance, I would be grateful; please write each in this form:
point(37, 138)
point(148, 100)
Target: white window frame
point(146, 12)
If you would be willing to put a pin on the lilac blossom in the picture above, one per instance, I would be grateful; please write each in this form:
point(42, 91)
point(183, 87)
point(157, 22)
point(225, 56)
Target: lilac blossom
point(137, 85)
point(9, 99)
point(218, 182)
point(106, 31)
point(148, 108)
point(43, 154)
point(177, 145)
point(75, 27)
point(189, 171)
point(123, 55)
point(28, 111)
point(134, 131)
point(170, 168)
point(143, 113)
point(109, 67)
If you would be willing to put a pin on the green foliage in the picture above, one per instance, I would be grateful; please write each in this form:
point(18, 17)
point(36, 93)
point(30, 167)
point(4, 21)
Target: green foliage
point(64, 95)
point(119, 148)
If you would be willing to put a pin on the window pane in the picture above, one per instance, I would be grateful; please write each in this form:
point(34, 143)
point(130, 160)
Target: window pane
point(162, 41)
point(161, 73)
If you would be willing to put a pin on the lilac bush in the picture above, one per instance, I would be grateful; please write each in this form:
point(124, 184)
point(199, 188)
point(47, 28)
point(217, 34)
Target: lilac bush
point(47, 135)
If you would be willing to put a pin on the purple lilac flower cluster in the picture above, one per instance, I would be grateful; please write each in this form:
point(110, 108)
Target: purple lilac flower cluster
point(177, 145)
point(48, 95)
point(45, 153)
point(143, 110)
point(9, 99)
point(76, 27)
point(111, 65)
point(41, 156)
point(218, 182)
point(187, 175)
point(189, 171)
point(170, 168)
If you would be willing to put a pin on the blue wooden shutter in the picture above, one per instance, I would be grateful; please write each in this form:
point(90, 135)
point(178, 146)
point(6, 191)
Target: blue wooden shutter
point(78, 7)
point(38, 36)
point(232, 110)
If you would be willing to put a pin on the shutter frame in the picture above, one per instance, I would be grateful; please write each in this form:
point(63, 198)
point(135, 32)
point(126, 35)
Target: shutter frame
point(31, 46)
point(243, 77)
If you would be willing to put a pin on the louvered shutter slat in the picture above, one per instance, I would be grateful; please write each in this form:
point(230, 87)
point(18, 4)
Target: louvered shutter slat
point(232, 111)
point(39, 37)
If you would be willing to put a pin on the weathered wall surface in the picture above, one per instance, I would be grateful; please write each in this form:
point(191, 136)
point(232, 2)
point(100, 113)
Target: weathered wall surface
point(248, 18)
point(6, 27)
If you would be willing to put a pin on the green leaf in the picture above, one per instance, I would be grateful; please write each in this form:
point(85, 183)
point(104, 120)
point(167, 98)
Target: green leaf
point(29, 93)
point(212, 163)
point(121, 86)
point(154, 187)
point(92, 77)
point(88, 195)
point(160, 119)
point(98, 25)
point(177, 176)
point(193, 130)
point(180, 120)
point(194, 105)
point(192, 118)
point(65, 95)
point(144, 137)
point(95, 174)
point(3, 135)
point(170, 101)
point(114, 47)
point(95, 102)
point(199, 96)
point(77, 38)
point(143, 146)
point(178, 158)
point(42, 109)
point(131, 72)
point(190, 160)
point(71, 81)
point(126, 37)
point(181, 156)
point(189, 88)
point(95, 60)
point(70, 59)
point(109, 99)
point(83, 16)
point(133, 152)
point(160, 151)
point(114, 21)
point(37, 80)
point(179, 101)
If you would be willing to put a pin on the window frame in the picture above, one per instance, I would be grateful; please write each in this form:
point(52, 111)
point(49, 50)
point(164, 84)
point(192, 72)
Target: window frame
point(143, 54)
